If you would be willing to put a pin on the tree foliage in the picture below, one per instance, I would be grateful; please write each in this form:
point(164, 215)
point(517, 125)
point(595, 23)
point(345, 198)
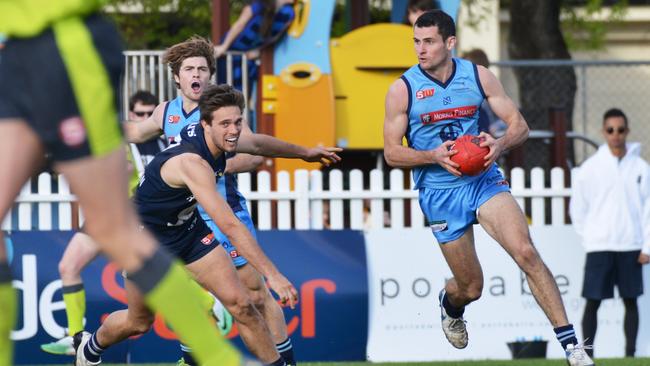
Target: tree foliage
point(157, 24)
point(584, 27)
point(584, 23)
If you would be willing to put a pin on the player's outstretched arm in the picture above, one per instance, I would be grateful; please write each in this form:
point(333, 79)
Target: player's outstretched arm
point(137, 132)
point(191, 171)
point(242, 163)
point(395, 124)
point(265, 145)
point(505, 109)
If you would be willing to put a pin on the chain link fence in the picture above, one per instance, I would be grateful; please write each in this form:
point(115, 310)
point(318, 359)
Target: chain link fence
point(585, 90)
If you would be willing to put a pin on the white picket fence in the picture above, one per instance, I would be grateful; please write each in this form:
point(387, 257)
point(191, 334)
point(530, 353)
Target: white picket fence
point(307, 205)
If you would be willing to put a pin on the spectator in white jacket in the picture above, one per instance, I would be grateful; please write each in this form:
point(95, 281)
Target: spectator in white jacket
point(610, 209)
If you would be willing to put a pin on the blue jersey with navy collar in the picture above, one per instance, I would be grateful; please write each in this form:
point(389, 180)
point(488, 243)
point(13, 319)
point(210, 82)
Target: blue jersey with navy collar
point(167, 211)
point(438, 112)
point(175, 118)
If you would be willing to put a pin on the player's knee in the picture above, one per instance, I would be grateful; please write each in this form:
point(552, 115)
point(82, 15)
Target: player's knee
point(68, 271)
point(527, 257)
point(141, 324)
point(242, 309)
point(110, 226)
point(259, 297)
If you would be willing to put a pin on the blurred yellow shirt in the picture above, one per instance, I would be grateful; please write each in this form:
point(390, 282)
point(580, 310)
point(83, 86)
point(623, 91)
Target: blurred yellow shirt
point(28, 18)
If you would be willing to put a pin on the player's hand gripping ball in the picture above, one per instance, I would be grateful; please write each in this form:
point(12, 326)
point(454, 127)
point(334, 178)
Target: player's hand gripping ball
point(470, 155)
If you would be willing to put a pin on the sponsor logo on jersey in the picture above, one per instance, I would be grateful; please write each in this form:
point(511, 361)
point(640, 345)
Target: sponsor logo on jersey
point(207, 239)
point(438, 226)
point(72, 131)
point(173, 119)
point(447, 114)
point(421, 94)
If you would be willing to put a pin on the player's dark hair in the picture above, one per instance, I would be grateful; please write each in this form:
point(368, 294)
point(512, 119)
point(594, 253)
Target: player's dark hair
point(195, 46)
point(142, 97)
point(440, 19)
point(614, 112)
point(219, 96)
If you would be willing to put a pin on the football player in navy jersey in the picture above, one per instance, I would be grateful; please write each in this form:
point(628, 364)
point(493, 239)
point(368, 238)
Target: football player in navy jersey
point(174, 183)
point(191, 65)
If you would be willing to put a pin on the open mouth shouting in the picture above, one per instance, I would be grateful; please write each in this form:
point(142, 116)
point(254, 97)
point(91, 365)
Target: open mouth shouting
point(196, 87)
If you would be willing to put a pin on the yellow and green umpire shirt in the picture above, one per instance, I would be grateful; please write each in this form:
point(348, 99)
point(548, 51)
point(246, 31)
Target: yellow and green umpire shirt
point(28, 18)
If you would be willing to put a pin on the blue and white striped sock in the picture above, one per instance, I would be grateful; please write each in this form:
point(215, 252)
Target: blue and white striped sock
point(285, 349)
point(93, 351)
point(187, 355)
point(566, 335)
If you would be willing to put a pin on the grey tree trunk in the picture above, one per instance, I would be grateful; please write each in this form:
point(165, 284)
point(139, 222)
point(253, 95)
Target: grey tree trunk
point(535, 34)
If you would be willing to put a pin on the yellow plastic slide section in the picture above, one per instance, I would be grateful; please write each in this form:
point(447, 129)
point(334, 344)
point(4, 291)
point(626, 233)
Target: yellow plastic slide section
point(365, 62)
point(304, 112)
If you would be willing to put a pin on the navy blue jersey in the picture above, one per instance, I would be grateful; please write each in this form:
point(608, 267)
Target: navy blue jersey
point(170, 212)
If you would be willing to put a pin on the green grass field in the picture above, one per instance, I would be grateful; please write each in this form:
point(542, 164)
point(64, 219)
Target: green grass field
point(535, 362)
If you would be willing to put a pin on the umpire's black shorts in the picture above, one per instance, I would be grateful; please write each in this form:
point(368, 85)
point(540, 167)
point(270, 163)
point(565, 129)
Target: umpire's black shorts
point(604, 270)
point(64, 83)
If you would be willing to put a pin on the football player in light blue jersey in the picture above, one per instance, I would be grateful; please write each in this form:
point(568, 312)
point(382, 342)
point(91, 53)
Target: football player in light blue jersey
point(432, 104)
point(192, 65)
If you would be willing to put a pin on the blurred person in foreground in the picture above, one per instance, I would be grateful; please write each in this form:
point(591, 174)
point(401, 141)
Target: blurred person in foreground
point(68, 47)
point(82, 249)
point(610, 210)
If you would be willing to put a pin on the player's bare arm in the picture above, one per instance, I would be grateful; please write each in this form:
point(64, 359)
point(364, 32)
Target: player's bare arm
point(137, 132)
point(395, 124)
point(191, 171)
point(242, 163)
point(504, 108)
point(265, 145)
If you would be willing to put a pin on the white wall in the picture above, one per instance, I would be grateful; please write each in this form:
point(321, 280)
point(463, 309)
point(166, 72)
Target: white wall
point(407, 270)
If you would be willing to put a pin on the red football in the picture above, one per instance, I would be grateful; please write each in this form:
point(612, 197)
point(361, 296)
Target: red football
point(470, 155)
